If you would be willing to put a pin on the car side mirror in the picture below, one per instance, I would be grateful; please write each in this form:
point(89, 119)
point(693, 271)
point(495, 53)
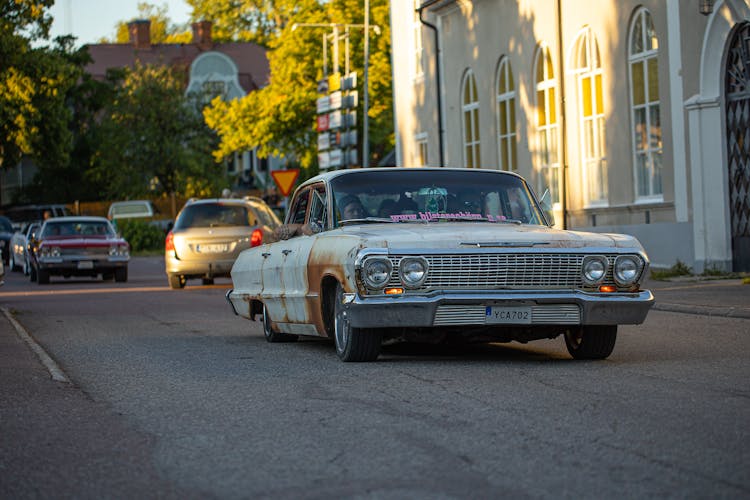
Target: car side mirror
point(545, 203)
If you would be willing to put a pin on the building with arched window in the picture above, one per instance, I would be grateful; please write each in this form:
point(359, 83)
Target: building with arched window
point(633, 115)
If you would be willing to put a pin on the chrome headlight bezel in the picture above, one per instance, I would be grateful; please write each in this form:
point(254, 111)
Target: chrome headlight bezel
point(618, 271)
point(119, 251)
point(591, 274)
point(375, 278)
point(49, 252)
point(406, 271)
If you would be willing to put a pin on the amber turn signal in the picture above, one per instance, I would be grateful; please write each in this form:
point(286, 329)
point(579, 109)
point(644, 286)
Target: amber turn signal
point(394, 291)
point(608, 289)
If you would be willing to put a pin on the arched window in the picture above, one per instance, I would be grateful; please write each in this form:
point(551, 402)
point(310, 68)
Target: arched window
point(587, 67)
point(547, 158)
point(506, 116)
point(643, 56)
point(470, 110)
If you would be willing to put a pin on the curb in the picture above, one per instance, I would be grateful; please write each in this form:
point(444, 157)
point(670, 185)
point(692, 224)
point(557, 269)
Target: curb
point(726, 312)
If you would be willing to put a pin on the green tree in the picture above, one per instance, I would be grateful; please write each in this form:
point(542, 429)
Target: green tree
point(280, 118)
point(153, 140)
point(259, 21)
point(21, 22)
point(162, 30)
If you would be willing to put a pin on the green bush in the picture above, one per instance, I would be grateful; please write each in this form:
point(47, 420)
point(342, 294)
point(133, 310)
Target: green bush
point(142, 236)
point(678, 269)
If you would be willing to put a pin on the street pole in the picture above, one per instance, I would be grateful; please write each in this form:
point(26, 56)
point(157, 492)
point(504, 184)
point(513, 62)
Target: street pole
point(365, 134)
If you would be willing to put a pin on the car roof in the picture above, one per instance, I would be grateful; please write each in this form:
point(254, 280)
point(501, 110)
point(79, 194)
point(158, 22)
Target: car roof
point(78, 218)
point(330, 175)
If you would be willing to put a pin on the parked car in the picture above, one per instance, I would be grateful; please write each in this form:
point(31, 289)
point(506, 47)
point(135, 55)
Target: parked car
point(437, 254)
point(24, 214)
point(6, 233)
point(79, 246)
point(142, 210)
point(19, 247)
point(208, 235)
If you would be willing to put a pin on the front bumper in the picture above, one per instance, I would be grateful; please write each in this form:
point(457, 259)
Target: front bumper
point(456, 309)
point(82, 266)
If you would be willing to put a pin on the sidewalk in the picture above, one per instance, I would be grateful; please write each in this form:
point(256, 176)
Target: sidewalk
point(706, 297)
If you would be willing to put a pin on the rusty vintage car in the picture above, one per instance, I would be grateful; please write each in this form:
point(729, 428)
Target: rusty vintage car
point(436, 254)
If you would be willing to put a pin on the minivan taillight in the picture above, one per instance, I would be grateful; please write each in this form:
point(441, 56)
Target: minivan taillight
point(169, 243)
point(256, 238)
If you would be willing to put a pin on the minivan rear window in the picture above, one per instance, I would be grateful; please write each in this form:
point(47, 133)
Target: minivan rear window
point(212, 215)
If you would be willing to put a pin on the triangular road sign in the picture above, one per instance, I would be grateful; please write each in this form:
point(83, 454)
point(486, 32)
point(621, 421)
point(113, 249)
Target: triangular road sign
point(285, 179)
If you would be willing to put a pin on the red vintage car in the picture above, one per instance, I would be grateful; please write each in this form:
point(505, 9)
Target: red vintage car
point(79, 246)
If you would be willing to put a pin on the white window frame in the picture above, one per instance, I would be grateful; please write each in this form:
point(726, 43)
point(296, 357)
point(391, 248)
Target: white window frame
point(593, 150)
point(550, 132)
point(652, 194)
point(471, 140)
point(507, 99)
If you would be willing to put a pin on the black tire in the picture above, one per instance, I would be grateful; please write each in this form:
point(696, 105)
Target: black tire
point(12, 266)
point(107, 276)
point(591, 342)
point(176, 281)
point(42, 276)
point(271, 334)
point(26, 266)
point(353, 344)
point(121, 274)
point(207, 281)
point(32, 273)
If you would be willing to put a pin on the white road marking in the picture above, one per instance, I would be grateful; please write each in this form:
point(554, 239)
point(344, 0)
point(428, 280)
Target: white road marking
point(52, 367)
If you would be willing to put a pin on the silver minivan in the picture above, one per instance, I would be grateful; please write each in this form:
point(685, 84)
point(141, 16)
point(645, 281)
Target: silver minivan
point(209, 234)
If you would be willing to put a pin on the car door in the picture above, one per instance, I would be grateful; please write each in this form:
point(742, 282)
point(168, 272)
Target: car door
point(285, 270)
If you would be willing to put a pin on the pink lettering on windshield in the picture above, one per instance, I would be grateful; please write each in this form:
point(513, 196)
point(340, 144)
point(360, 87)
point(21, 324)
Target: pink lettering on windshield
point(428, 216)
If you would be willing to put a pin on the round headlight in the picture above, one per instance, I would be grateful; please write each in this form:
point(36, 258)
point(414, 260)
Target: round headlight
point(627, 269)
point(376, 271)
point(594, 269)
point(413, 271)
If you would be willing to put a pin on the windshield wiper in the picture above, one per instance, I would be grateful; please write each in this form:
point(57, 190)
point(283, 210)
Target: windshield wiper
point(366, 220)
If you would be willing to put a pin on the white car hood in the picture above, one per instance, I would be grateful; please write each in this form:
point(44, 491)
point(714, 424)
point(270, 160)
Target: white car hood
point(465, 235)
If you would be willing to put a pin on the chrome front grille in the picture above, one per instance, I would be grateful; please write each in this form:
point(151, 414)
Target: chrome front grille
point(86, 252)
point(552, 314)
point(510, 271)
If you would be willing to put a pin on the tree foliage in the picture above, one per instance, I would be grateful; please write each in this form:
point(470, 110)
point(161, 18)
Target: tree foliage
point(23, 91)
point(280, 118)
point(162, 30)
point(153, 140)
point(259, 21)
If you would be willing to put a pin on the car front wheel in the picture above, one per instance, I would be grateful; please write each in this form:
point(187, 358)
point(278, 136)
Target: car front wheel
point(121, 274)
point(591, 342)
point(176, 281)
point(353, 344)
point(12, 263)
point(271, 334)
point(42, 276)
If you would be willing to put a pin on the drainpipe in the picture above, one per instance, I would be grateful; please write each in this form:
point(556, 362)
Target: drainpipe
point(437, 76)
point(563, 126)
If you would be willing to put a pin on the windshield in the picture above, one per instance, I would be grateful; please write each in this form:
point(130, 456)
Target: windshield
point(77, 229)
point(434, 196)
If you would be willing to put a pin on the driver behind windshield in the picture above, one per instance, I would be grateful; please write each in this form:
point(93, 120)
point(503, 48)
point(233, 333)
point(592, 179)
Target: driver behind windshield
point(352, 208)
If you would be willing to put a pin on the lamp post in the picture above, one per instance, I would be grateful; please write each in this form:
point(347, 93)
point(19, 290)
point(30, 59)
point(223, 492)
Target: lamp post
point(335, 36)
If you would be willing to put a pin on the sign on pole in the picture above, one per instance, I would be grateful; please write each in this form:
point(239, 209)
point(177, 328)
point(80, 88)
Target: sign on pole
point(285, 180)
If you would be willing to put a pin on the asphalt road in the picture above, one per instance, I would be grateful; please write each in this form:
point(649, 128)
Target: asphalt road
point(171, 396)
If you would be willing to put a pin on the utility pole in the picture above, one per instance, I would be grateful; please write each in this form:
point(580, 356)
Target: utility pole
point(366, 105)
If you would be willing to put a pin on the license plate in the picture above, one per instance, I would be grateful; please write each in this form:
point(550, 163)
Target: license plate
point(508, 315)
point(85, 264)
point(212, 248)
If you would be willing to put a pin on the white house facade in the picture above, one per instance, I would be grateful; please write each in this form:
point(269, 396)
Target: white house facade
point(633, 115)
